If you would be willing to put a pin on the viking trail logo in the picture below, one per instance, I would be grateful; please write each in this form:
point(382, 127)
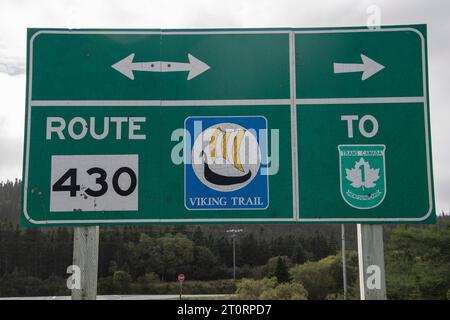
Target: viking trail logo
point(226, 163)
point(362, 175)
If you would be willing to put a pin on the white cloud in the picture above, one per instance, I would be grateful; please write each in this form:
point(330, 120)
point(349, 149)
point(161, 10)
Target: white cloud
point(12, 119)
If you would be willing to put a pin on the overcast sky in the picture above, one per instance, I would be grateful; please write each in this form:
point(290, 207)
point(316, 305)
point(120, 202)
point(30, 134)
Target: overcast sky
point(17, 15)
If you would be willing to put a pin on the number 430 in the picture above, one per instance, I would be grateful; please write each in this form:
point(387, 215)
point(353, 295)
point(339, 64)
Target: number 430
point(72, 187)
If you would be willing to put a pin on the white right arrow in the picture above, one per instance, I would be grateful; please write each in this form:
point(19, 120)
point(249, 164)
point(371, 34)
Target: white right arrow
point(126, 66)
point(369, 67)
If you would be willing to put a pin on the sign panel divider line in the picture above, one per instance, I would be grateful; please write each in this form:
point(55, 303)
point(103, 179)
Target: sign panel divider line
point(231, 102)
point(157, 103)
point(361, 100)
point(294, 145)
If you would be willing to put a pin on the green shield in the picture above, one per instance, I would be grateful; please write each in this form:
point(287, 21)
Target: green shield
point(362, 175)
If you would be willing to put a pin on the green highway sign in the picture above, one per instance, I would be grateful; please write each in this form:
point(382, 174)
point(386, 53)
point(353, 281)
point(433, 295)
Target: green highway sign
point(227, 126)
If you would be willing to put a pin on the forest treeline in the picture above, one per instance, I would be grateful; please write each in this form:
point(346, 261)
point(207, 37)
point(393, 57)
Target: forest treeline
point(147, 259)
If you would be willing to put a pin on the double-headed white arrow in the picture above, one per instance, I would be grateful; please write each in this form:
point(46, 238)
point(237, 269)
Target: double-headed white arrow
point(369, 67)
point(126, 66)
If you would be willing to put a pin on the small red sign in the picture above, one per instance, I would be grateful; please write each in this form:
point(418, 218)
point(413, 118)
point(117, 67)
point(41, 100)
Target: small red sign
point(181, 277)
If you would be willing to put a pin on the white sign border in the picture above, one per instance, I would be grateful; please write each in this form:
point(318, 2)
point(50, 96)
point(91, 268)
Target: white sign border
point(383, 100)
point(293, 101)
point(31, 103)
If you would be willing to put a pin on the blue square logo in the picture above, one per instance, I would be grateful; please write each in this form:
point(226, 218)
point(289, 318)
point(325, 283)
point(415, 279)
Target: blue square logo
point(226, 163)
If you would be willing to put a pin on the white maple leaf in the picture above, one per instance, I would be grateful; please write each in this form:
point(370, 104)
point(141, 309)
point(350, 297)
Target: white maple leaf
point(356, 175)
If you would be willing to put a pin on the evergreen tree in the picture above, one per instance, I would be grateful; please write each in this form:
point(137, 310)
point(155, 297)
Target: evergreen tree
point(299, 253)
point(281, 271)
point(247, 250)
point(198, 237)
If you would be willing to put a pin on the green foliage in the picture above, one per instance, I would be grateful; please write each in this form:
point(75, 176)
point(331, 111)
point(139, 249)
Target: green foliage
point(246, 248)
point(320, 246)
point(148, 278)
point(269, 289)
point(106, 285)
point(122, 281)
point(17, 284)
point(281, 271)
point(317, 277)
point(167, 255)
point(176, 252)
point(146, 259)
point(285, 291)
point(335, 296)
point(273, 262)
point(299, 253)
point(323, 279)
point(250, 289)
point(246, 271)
point(227, 286)
point(418, 263)
point(206, 263)
point(10, 200)
point(352, 264)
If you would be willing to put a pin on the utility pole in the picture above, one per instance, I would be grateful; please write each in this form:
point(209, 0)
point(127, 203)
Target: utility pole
point(234, 233)
point(344, 265)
